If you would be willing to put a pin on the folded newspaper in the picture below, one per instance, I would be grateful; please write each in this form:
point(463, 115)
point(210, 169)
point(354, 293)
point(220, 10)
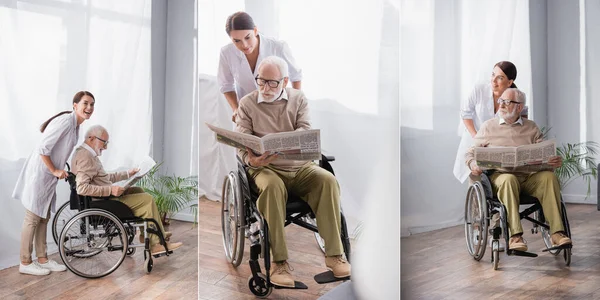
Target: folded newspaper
point(144, 165)
point(292, 145)
point(525, 158)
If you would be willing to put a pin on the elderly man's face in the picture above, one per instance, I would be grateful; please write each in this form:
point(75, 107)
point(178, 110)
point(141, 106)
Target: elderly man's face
point(100, 143)
point(510, 110)
point(267, 75)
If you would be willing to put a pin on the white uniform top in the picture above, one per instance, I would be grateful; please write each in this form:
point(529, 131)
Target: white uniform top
point(234, 71)
point(36, 186)
point(479, 107)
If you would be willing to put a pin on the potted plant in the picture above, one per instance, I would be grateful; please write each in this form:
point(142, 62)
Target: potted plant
point(171, 193)
point(578, 161)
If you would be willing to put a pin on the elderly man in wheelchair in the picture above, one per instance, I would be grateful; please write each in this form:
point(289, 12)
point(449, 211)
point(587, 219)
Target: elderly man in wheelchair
point(515, 188)
point(274, 108)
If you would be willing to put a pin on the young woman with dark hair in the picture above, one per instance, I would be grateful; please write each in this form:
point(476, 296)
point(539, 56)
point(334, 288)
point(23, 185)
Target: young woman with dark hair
point(237, 64)
point(36, 185)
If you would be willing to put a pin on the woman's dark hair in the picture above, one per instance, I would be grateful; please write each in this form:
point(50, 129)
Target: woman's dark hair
point(239, 21)
point(509, 69)
point(76, 99)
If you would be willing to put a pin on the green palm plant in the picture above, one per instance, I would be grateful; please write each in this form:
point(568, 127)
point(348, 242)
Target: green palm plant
point(171, 193)
point(579, 160)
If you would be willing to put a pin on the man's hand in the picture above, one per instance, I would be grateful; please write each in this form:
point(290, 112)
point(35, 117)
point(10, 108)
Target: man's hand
point(555, 161)
point(475, 170)
point(260, 161)
point(132, 171)
point(60, 174)
point(116, 190)
point(234, 116)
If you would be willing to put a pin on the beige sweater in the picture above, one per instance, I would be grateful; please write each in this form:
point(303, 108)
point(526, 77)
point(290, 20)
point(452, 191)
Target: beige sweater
point(283, 115)
point(493, 133)
point(91, 178)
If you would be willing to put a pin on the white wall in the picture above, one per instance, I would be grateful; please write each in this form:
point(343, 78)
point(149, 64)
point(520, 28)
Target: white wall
point(158, 40)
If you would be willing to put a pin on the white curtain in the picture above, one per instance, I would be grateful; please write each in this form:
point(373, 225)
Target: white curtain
point(50, 50)
point(447, 47)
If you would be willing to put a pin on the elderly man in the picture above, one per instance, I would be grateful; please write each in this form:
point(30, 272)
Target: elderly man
point(509, 129)
point(274, 108)
point(93, 181)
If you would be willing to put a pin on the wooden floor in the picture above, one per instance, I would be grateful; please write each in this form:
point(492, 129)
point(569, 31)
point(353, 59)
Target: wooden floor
point(218, 279)
point(173, 277)
point(436, 265)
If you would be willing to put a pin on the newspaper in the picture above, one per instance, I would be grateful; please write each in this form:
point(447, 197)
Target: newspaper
point(144, 165)
point(527, 158)
point(292, 145)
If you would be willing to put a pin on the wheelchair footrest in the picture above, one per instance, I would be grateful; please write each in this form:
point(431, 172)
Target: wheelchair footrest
point(297, 286)
point(567, 246)
point(162, 254)
point(521, 253)
point(327, 277)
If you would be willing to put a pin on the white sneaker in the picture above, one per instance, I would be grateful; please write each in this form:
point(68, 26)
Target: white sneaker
point(53, 266)
point(33, 269)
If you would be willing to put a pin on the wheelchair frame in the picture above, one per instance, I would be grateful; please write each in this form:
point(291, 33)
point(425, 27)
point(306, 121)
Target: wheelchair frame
point(480, 207)
point(81, 218)
point(239, 207)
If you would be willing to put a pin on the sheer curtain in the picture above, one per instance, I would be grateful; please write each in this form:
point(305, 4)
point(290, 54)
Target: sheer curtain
point(50, 50)
point(447, 47)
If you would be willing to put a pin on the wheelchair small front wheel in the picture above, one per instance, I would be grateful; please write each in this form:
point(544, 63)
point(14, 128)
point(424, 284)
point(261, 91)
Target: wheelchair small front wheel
point(259, 287)
point(130, 251)
point(148, 263)
point(495, 253)
point(567, 256)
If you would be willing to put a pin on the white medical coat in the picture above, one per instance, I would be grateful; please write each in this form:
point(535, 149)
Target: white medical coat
point(479, 107)
point(234, 71)
point(36, 186)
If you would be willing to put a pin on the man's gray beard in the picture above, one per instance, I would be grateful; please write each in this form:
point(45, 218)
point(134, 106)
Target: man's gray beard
point(271, 99)
point(509, 116)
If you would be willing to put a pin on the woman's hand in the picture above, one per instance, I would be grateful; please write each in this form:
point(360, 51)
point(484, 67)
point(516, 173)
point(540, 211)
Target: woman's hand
point(60, 174)
point(260, 161)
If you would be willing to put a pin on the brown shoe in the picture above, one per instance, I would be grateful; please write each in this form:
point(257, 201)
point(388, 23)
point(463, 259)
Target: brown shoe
point(338, 265)
point(168, 235)
point(281, 274)
point(158, 248)
point(559, 238)
point(516, 242)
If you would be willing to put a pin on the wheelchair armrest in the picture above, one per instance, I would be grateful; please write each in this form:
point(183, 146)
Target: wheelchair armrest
point(327, 157)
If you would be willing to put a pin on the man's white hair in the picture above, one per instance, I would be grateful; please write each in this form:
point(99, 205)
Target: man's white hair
point(277, 61)
point(95, 130)
point(520, 96)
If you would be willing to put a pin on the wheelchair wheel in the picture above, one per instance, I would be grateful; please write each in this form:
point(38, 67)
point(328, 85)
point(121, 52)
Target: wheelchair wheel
point(476, 221)
point(62, 216)
point(233, 219)
point(93, 243)
point(567, 252)
point(320, 241)
point(260, 288)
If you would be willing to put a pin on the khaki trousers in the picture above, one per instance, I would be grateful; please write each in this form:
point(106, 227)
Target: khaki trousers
point(142, 204)
point(311, 183)
point(543, 185)
point(34, 229)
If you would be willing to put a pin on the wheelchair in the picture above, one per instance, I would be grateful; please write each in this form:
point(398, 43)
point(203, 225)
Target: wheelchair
point(485, 214)
point(93, 237)
point(241, 219)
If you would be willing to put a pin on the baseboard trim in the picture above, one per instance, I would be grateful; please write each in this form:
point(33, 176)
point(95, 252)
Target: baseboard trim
point(183, 216)
point(580, 199)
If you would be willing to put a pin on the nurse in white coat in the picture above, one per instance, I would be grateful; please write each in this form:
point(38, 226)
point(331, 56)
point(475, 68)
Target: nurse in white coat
point(481, 106)
point(237, 63)
point(36, 185)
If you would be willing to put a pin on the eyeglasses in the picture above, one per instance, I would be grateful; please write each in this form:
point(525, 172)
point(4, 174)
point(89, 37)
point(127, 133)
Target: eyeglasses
point(507, 102)
point(271, 83)
point(104, 141)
